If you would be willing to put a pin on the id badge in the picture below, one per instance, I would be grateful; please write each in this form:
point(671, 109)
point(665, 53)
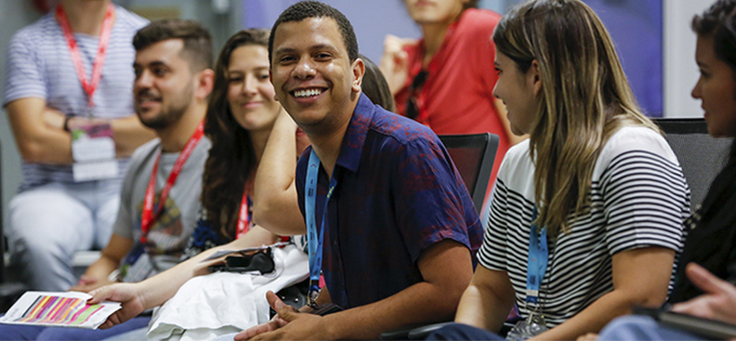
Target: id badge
point(532, 326)
point(93, 150)
point(137, 265)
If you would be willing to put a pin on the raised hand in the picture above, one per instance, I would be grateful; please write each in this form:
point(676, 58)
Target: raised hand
point(719, 300)
point(395, 62)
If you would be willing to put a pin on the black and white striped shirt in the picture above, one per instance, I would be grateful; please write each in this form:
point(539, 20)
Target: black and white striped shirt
point(639, 198)
point(39, 65)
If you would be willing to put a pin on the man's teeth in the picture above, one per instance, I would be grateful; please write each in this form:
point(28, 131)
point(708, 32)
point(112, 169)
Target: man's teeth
point(307, 93)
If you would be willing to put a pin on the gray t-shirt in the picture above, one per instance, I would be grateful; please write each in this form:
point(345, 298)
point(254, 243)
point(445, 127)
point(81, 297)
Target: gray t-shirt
point(173, 227)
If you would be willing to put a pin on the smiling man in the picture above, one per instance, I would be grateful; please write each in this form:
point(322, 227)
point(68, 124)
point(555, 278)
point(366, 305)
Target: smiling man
point(392, 227)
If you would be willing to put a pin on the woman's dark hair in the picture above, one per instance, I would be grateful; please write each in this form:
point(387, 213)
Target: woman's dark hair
point(375, 86)
point(719, 22)
point(232, 157)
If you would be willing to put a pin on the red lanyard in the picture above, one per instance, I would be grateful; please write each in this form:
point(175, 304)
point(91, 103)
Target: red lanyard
point(148, 216)
point(243, 216)
point(91, 85)
point(244, 220)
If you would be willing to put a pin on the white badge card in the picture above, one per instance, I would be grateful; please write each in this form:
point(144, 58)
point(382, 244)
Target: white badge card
point(93, 150)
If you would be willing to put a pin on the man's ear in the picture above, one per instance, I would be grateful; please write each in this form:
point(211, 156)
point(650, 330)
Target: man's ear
point(270, 79)
point(205, 82)
point(358, 73)
point(534, 77)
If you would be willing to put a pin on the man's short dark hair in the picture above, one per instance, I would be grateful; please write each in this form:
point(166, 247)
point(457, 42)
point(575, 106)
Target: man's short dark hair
point(197, 40)
point(314, 9)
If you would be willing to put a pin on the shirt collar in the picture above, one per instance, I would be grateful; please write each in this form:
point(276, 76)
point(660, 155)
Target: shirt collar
point(352, 144)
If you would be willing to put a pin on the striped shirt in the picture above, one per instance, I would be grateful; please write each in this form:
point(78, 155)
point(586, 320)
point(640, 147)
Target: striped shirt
point(638, 198)
point(39, 65)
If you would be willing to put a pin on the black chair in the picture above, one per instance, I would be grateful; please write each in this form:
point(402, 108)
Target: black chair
point(473, 155)
point(701, 156)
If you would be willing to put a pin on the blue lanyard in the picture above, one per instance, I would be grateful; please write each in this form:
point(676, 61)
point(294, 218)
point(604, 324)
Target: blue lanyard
point(537, 263)
point(314, 242)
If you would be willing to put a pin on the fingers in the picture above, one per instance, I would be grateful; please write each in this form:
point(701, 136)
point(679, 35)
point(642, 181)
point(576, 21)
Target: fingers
point(699, 306)
point(588, 337)
point(119, 292)
point(391, 43)
point(111, 321)
point(705, 280)
point(255, 331)
point(101, 294)
point(277, 322)
point(401, 59)
point(85, 284)
point(274, 301)
point(285, 312)
point(86, 280)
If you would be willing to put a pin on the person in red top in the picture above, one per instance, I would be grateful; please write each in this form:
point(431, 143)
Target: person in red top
point(445, 80)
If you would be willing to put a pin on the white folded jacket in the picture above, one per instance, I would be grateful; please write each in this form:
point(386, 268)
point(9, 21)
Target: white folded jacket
point(224, 302)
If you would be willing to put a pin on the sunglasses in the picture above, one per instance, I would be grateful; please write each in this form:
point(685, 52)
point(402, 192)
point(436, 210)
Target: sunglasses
point(412, 109)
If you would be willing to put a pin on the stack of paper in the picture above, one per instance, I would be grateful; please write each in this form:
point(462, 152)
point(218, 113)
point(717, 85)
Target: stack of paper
point(59, 309)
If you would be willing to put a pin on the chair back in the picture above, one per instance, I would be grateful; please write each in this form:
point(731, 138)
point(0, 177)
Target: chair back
point(701, 156)
point(473, 155)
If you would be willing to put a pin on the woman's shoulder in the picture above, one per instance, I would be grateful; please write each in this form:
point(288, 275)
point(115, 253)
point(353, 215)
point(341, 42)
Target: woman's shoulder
point(517, 168)
point(638, 138)
point(640, 141)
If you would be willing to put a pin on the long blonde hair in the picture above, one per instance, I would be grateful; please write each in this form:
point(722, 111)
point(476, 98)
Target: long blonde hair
point(585, 98)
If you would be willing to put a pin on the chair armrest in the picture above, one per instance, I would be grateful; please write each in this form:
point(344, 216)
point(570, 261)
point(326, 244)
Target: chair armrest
point(422, 332)
point(405, 333)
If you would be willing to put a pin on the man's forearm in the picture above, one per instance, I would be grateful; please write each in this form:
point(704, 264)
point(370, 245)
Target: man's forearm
point(129, 134)
point(275, 206)
point(36, 140)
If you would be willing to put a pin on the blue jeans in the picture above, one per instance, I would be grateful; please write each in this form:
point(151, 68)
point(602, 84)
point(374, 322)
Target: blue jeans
point(637, 327)
point(49, 223)
point(457, 331)
point(22, 332)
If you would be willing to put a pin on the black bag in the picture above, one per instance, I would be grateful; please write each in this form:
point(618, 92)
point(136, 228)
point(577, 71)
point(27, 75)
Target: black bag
point(261, 261)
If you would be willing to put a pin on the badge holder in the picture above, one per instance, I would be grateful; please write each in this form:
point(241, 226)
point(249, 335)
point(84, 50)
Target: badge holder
point(538, 257)
point(532, 326)
point(93, 150)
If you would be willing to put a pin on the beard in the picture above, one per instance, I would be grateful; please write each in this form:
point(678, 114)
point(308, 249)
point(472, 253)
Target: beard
point(171, 111)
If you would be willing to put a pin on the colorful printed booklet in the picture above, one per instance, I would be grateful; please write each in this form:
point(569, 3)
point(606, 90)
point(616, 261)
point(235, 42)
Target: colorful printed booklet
point(58, 309)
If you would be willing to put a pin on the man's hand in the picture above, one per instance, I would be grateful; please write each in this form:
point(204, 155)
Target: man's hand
point(88, 283)
point(395, 62)
point(126, 293)
point(288, 324)
point(719, 301)
point(588, 337)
